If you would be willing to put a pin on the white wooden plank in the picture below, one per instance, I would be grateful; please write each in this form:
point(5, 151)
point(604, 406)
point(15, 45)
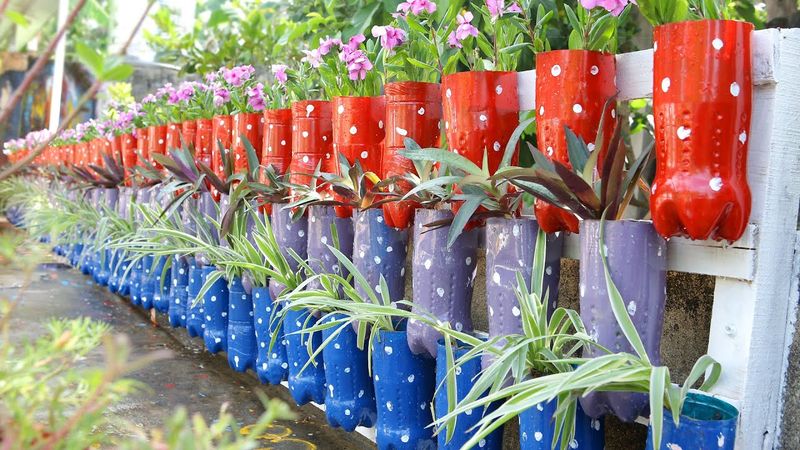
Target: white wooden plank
point(751, 320)
point(702, 257)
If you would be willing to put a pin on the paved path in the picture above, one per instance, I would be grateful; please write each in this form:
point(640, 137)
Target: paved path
point(192, 377)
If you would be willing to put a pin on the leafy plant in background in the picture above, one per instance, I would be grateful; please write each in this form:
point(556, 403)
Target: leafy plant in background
point(659, 12)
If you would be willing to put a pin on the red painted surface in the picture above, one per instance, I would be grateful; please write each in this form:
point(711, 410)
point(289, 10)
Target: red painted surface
point(246, 125)
point(358, 134)
point(173, 136)
point(129, 158)
point(572, 89)
point(276, 147)
point(220, 135)
point(203, 142)
point(188, 133)
point(702, 105)
point(312, 140)
point(413, 110)
point(141, 145)
point(156, 142)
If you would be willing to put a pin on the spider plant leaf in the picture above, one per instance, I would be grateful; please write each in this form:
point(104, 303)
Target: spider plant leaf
point(658, 382)
point(513, 141)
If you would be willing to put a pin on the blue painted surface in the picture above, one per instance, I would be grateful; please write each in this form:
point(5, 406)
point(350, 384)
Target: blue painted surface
point(113, 271)
point(195, 323)
point(271, 364)
point(215, 306)
point(136, 281)
point(536, 429)
point(124, 288)
point(146, 290)
point(161, 287)
point(307, 384)
point(179, 294)
point(404, 387)
point(350, 401)
point(466, 375)
point(706, 423)
point(104, 272)
point(380, 250)
point(241, 332)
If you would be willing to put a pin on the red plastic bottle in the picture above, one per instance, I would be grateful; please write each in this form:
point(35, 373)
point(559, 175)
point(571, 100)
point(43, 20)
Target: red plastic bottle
point(249, 126)
point(312, 140)
point(276, 148)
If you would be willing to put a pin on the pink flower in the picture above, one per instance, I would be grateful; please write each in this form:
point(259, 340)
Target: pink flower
point(280, 73)
point(498, 7)
point(221, 96)
point(358, 65)
point(353, 44)
point(313, 58)
point(615, 7)
point(391, 37)
point(325, 45)
point(238, 75)
point(464, 30)
point(416, 7)
point(255, 97)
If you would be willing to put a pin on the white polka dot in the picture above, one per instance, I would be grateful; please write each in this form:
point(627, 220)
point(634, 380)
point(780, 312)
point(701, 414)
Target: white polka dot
point(401, 131)
point(555, 70)
point(743, 137)
point(305, 158)
point(309, 109)
point(340, 109)
point(684, 133)
point(483, 118)
point(283, 142)
point(594, 70)
point(249, 126)
point(577, 108)
point(448, 93)
point(364, 154)
point(735, 89)
point(498, 89)
point(515, 311)
point(715, 184)
point(353, 130)
point(717, 44)
point(440, 292)
point(427, 264)
point(421, 111)
point(380, 124)
point(388, 350)
point(665, 84)
point(541, 110)
point(305, 134)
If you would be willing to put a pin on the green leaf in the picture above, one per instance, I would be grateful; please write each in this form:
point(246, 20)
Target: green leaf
point(90, 57)
point(463, 217)
point(18, 18)
point(658, 384)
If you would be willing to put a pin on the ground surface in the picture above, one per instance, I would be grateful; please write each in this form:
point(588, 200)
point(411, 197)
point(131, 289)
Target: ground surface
point(192, 377)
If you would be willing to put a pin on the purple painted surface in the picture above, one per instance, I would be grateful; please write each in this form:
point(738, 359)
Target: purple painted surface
point(637, 259)
point(112, 197)
point(380, 250)
point(442, 279)
point(320, 258)
point(289, 234)
point(510, 246)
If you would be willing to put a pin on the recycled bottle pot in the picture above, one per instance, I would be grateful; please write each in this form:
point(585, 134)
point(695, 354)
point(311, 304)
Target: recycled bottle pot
point(637, 261)
point(465, 380)
point(481, 112)
point(706, 423)
point(311, 140)
point(272, 366)
point(188, 133)
point(161, 280)
point(351, 396)
point(573, 89)
point(404, 389)
point(221, 136)
point(145, 290)
point(442, 280)
point(195, 320)
point(215, 308)
point(380, 251)
point(358, 134)
point(129, 157)
point(248, 126)
point(306, 379)
point(320, 258)
point(276, 148)
point(241, 332)
point(537, 428)
point(180, 295)
point(702, 105)
point(204, 142)
point(413, 110)
point(173, 136)
point(510, 247)
point(156, 142)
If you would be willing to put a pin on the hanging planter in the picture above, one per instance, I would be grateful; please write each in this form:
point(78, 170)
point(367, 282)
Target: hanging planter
point(706, 423)
point(404, 388)
point(241, 332)
point(358, 134)
point(173, 137)
point(156, 142)
point(351, 395)
point(277, 144)
point(481, 112)
point(573, 88)
point(204, 142)
point(311, 140)
point(145, 290)
point(221, 135)
point(413, 110)
point(536, 429)
point(247, 125)
point(465, 378)
point(637, 260)
point(442, 279)
point(188, 133)
point(180, 295)
point(129, 157)
point(702, 104)
point(161, 287)
point(305, 384)
point(195, 321)
point(320, 258)
point(510, 246)
point(380, 250)
point(215, 309)
point(272, 365)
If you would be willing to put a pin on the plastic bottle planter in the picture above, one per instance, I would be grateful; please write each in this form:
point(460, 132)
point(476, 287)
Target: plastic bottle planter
point(114, 273)
point(414, 110)
point(572, 88)
point(706, 423)
point(442, 279)
point(320, 258)
point(156, 142)
point(173, 137)
point(305, 385)
point(380, 250)
point(136, 276)
point(510, 246)
point(312, 140)
point(404, 388)
point(271, 365)
point(215, 310)
point(195, 320)
point(481, 111)
point(290, 234)
point(188, 133)
point(358, 133)
point(104, 273)
point(637, 259)
point(179, 295)
point(536, 429)
point(702, 105)
point(241, 333)
point(147, 277)
point(161, 282)
point(465, 379)
point(129, 157)
point(221, 132)
point(247, 125)
point(276, 148)
point(203, 142)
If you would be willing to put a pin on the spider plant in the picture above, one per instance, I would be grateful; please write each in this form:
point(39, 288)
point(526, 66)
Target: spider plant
point(566, 378)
